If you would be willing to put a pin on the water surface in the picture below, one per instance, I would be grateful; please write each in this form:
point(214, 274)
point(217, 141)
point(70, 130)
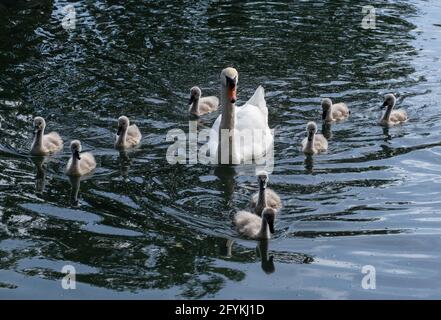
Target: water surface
point(142, 228)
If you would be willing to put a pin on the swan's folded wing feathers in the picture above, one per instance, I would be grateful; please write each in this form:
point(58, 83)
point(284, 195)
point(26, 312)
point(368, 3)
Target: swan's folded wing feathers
point(398, 116)
point(52, 141)
point(133, 134)
point(258, 100)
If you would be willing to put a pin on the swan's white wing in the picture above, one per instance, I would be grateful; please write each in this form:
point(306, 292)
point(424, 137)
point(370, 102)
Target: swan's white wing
point(249, 119)
point(258, 100)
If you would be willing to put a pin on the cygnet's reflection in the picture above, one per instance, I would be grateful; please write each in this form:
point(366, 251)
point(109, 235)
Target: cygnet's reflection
point(40, 177)
point(75, 182)
point(267, 262)
point(309, 163)
point(124, 163)
point(326, 130)
point(387, 136)
point(227, 250)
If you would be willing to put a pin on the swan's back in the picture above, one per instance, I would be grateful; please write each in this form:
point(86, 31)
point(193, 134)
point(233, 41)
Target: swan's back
point(51, 143)
point(133, 135)
point(87, 162)
point(340, 111)
point(398, 116)
point(208, 104)
point(320, 142)
point(272, 200)
point(85, 165)
point(247, 223)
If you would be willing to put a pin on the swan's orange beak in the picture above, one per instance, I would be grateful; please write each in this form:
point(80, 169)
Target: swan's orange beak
point(232, 87)
point(232, 96)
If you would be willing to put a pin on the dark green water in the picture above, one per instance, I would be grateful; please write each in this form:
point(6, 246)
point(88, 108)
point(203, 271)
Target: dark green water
point(147, 229)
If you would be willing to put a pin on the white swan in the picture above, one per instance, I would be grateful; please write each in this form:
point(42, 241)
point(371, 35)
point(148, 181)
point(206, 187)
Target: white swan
point(334, 112)
point(392, 117)
point(128, 136)
point(44, 144)
point(253, 226)
point(79, 165)
point(250, 137)
point(201, 105)
point(266, 197)
point(314, 143)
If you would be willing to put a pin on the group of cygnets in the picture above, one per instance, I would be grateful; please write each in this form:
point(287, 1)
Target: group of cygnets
point(265, 204)
point(80, 164)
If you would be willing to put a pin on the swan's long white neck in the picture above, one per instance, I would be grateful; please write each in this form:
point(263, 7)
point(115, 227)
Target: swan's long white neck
point(121, 140)
point(227, 122)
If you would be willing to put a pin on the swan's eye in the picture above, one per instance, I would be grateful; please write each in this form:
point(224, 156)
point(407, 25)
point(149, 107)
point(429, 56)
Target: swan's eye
point(231, 82)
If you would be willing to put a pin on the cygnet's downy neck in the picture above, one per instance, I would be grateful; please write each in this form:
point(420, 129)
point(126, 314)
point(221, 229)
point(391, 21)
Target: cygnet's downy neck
point(38, 140)
point(264, 232)
point(310, 142)
point(122, 136)
point(261, 202)
point(328, 115)
point(387, 113)
point(195, 106)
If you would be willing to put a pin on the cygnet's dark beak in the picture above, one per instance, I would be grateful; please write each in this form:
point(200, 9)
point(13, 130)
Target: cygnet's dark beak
point(77, 154)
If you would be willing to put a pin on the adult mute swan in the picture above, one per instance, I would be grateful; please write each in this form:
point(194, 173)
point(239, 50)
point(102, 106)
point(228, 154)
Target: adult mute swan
point(392, 117)
point(44, 144)
point(239, 134)
point(201, 105)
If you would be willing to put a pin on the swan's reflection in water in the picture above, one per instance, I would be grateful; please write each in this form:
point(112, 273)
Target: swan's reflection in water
point(40, 177)
point(226, 175)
